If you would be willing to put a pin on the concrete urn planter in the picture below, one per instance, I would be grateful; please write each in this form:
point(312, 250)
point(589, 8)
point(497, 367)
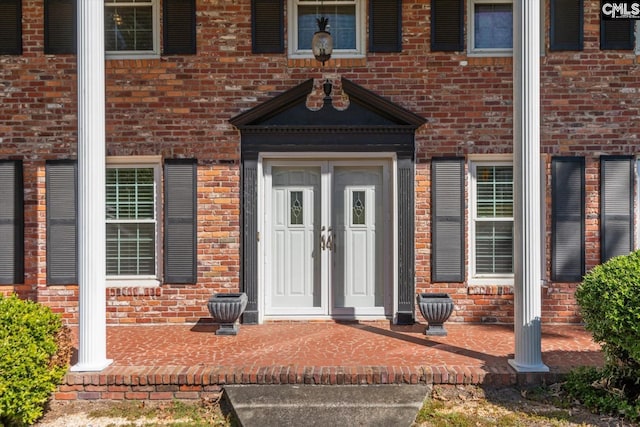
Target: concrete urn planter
point(226, 310)
point(436, 309)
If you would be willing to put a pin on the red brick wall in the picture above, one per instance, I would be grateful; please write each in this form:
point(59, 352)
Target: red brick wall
point(179, 106)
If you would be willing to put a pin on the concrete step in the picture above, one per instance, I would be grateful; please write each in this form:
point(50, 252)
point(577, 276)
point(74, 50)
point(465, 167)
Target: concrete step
point(327, 406)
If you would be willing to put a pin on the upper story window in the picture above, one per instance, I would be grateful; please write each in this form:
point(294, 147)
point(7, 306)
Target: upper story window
point(491, 227)
point(131, 27)
point(346, 25)
point(490, 27)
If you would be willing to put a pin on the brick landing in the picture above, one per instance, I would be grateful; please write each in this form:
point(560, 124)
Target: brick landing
point(190, 361)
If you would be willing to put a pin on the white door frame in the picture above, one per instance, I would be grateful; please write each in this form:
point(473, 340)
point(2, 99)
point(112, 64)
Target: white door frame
point(266, 160)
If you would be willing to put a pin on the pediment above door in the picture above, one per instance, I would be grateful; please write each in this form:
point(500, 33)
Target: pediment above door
point(369, 123)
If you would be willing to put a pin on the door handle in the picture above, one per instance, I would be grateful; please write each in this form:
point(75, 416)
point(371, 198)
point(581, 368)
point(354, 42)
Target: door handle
point(330, 239)
point(323, 242)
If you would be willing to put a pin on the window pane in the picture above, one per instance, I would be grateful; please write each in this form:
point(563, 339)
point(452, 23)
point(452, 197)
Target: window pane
point(131, 249)
point(130, 193)
point(297, 212)
point(342, 25)
point(493, 26)
point(494, 191)
point(494, 247)
point(128, 28)
point(358, 202)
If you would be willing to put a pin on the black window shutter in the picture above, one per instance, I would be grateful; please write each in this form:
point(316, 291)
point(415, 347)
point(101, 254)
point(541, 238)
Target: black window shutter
point(616, 206)
point(447, 25)
point(447, 222)
point(267, 26)
point(385, 25)
point(179, 27)
point(566, 32)
point(567, 219)
point(617, 34)
point(62, 222)
point(10, 27)
point(180, 213)
point(60, 26)
point(11, 223)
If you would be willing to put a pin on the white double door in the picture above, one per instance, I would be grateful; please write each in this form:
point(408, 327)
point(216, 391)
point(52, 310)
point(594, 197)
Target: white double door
point(327, 226)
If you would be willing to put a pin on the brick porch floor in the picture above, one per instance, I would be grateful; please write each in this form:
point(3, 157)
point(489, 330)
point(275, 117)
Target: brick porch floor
point(189, 361)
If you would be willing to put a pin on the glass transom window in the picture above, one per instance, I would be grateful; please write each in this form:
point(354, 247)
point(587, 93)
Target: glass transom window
point(492, 220)
point(131, 218)
point(491, 27)
point(130, 27)
point(346, 24)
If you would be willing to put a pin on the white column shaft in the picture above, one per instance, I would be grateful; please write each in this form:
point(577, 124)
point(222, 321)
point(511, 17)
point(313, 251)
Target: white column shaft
point(526, 150)
point(91, 187)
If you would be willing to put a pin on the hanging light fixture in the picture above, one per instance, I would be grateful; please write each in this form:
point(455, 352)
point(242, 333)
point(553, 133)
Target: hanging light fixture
point(322, 42)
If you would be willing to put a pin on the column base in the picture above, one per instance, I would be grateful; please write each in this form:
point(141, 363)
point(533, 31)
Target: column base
point(405, 318)
point(91, 367)
point(541, 367)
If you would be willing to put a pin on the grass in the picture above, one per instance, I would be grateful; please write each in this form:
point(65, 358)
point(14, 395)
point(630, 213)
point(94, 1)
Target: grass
point(204, 413)
point(472, 407)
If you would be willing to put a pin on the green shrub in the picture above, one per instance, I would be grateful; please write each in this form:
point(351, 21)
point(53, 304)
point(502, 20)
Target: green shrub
point(609, 299)
point(34, 356)
point(605, 391)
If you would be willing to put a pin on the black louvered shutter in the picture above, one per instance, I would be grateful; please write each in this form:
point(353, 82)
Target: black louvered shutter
point(385, 25)
point(10, 27)
point(617, 34)
point(267, 26)
point(180, 213)
point(566, 32)
point(567, 219)
point(447, 25)
point(447, 222)
point(179, 27)
point(11, 223)
point(616, 206)
point(62, 223)
point(60, 26)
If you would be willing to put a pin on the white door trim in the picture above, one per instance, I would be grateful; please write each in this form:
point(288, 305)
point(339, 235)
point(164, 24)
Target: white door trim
point(268, 160)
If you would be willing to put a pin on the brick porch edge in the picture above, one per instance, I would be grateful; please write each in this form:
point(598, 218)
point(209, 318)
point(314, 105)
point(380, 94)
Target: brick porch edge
point(194, 382)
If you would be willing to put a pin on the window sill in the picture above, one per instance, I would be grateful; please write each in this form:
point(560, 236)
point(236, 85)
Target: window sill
point(132, 283)
point(490, 289)
point(132, 291)
point(489, 60)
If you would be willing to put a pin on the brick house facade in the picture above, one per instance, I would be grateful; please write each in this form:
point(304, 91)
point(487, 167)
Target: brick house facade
point(178, 110)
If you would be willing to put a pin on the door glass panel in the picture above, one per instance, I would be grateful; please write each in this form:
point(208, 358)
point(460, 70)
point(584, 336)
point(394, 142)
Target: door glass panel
point(358, 209)
point(296, 208)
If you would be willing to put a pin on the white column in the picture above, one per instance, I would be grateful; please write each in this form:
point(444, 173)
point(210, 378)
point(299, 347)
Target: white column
point(526, 152)
point(91, 187)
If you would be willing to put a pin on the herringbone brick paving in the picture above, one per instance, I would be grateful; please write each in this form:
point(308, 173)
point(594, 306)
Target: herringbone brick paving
point(186, 361)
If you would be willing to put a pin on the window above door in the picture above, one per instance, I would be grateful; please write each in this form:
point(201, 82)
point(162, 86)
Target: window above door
point(346, 25)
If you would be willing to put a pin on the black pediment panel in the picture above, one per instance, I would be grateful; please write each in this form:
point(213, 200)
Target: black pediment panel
point(365, 109)
point(369, 123)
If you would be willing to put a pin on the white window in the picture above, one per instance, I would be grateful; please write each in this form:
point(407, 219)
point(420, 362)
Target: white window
point(132, 223)
point(131, 28)
point(346, 25)
point(491, 220)
point(490, 27)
